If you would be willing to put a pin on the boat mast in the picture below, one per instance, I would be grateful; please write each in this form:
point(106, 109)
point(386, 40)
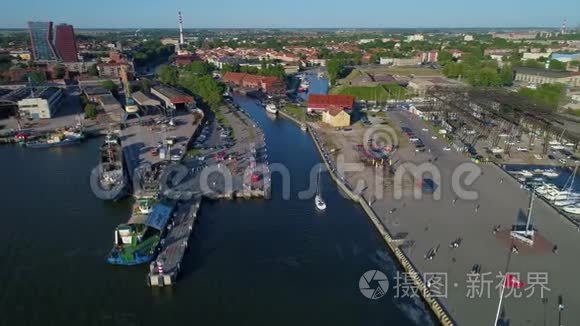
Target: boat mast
point(318, 182)
point(530, 208)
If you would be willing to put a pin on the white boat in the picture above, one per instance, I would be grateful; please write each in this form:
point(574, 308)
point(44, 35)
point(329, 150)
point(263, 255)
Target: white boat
point(550, 174)
point(526, 173)
point(565, 202)
point(271, 107)
point(563, 195)
point(546, 188)
point(573, 209)
point(318, 201)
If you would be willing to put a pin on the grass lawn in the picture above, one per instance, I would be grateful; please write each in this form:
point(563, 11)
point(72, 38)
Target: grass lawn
point(379, 93)
point(404, 71)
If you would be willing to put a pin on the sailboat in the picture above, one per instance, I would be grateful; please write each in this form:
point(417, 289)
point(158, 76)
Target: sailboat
point(570, 197)
point(318, 201)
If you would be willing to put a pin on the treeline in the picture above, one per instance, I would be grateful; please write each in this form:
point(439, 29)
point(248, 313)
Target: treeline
point(476, 69)
point(151, 51)
point(266, 69)
point(196, 78)
point(549, 95)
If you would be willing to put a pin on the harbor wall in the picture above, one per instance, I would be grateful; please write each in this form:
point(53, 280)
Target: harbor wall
point(440, 312)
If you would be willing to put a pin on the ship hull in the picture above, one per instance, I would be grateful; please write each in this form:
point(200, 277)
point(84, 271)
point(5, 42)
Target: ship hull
point(68, 142)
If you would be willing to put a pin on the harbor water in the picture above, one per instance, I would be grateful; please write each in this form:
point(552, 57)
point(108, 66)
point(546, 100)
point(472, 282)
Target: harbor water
point(276, 261)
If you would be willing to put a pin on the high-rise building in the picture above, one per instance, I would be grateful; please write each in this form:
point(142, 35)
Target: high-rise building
point(66, 43)
point(41, 41)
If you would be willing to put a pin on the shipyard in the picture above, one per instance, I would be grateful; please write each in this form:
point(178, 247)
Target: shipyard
point(413, 175)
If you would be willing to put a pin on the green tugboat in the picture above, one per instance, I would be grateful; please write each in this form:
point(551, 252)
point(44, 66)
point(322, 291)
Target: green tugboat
point(137, 241)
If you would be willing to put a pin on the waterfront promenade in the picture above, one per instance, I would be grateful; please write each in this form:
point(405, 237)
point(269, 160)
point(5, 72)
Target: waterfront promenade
point(425, 225)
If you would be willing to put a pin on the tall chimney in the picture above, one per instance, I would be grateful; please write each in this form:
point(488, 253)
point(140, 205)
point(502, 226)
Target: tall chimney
point(180, 29)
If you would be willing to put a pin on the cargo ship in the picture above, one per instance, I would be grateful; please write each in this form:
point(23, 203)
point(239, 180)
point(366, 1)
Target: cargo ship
point(58, 139)
point(137, 241)
point(112, 178)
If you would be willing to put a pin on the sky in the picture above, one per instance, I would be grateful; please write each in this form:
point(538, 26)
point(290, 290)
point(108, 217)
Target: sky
point(294, 13)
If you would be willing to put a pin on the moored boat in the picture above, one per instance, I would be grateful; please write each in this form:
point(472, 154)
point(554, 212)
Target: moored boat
point(137, 241)
point(112, 177)
point(58, 138)
point(271, 107)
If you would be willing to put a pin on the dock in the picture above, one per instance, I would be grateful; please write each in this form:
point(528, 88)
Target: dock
point(164, 270)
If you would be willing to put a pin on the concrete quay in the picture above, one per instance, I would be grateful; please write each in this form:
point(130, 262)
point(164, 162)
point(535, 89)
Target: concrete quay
point(244, 156)
point(165, 270)
point(428, 226)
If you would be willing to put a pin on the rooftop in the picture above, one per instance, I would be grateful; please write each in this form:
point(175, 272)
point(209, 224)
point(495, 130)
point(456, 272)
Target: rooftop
point(325, 101)
point(544, 72)
point(175, 95)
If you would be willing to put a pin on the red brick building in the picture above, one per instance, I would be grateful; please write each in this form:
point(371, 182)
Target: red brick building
point(268, 84)
point(321, 102)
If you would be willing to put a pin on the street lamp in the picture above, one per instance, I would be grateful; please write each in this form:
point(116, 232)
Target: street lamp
point(560, 309)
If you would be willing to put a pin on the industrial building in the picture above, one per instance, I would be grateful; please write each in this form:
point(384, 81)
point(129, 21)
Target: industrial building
point(43, 105)
point(112, 109)
point(543, 76)
point(41, 41)
point(172, 98)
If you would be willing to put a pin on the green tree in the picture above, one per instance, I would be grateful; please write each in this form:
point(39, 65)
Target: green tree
point(334, 67)
point(145, 86)
point(444, 57)
point(36, 76)
point(59, 71)
point(93, 71)
point(557, 65)
point(532, 63)
point(90, 111)
point(111, 86)
point(230, 68)
point(548, 95)
point(209, 89)
point(199, 68)
point(168, 74)
point(506, 75)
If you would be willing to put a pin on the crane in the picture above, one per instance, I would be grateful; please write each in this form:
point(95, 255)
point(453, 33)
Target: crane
point(131, 108)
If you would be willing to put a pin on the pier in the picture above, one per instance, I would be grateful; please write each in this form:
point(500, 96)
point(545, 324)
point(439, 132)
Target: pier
point(164, 270)
point(227, 143)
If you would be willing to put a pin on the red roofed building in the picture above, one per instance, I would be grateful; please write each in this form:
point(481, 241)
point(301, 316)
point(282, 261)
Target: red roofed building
point(321, 102)
point(268, 84)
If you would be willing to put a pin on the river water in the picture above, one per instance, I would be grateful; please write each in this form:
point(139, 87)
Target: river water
point(251, 262)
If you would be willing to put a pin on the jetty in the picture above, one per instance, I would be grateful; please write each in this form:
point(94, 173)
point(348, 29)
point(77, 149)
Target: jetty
point(164, 270)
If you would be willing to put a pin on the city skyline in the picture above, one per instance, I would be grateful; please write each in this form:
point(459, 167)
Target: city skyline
point(319, 14)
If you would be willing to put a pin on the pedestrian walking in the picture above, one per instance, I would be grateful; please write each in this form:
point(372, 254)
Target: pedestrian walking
point(454, 201)
point(501, 180)
point(476, 208)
